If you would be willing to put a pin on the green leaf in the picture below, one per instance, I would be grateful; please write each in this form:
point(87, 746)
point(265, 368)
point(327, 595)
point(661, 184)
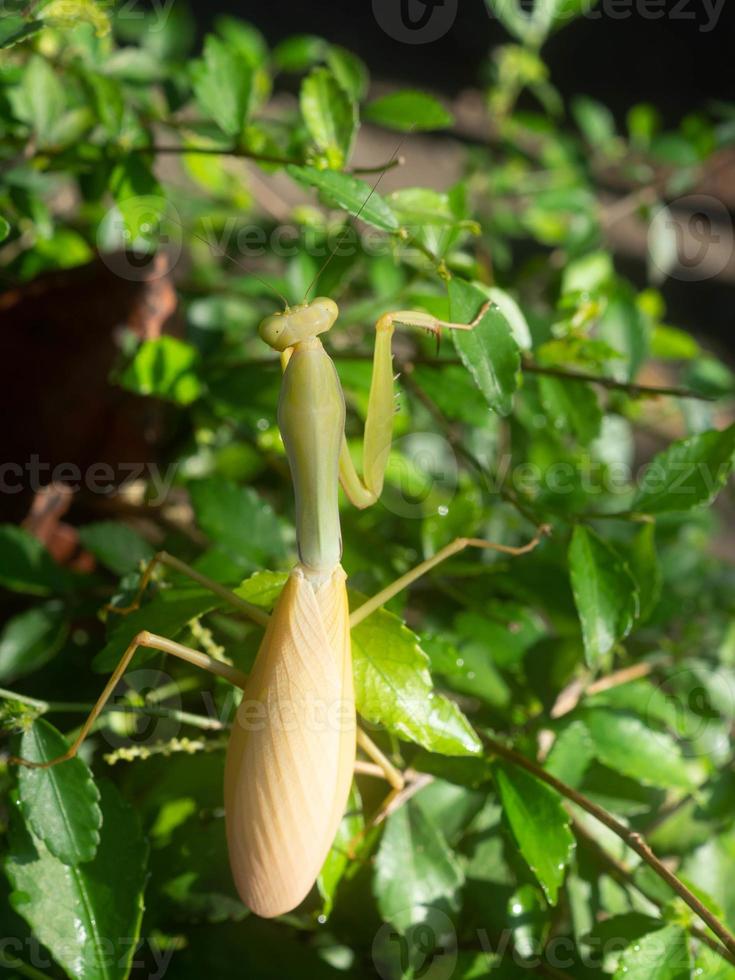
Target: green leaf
point(595, 120)
point(415, 869)
point(167, 614)
point(571, 754)
point(489, 351)
point(661, 955)
point(338, 860)
point(349, 193)
point(646, 569)
point(116, 546)
point(31, 639)
point(690, 473)
point(262, 588)
point(330, 116)
point(40, 99)
point(408, 110)
point(223, 85)
point(87, 916)
point(297, 53)
point(604, 592)
point(626, 744)
point(60, 804)
point(165, 368)
point(25, 565)
point(239, 521)
point(13, 29)
point(393, 688)
point(139, 198)
point(571, 406)
point(349, 71)
point(4, 229)
point(540, 825)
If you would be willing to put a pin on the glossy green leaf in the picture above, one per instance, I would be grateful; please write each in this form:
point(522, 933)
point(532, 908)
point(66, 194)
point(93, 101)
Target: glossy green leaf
point(238, 521)
point(627, 744)
point(415, 870)
point(572, 407)
point(30, 639)
point(349, 193)
point(117, 546)
point(164, 368)
point(604, 592)
point(60, 804)
point(660, 955)
point(393, 688)
point(223, 84)
point(330, 116)
point(88, 916)
point(408, 110)
point(571, 753)
point(690, 473)
point(167, 614)
point(338, 860)
point(540, 825)
point(489, 351)
point(4, 229)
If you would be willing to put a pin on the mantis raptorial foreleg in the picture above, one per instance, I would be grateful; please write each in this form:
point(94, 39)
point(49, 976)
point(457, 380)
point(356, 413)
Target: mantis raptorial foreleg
point(365, 491)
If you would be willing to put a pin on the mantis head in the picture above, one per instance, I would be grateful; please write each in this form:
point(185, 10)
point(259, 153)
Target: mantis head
point(298, 323)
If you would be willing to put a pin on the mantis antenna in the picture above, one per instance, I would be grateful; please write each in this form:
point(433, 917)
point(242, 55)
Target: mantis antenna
point(226, 255)
point(357, 215)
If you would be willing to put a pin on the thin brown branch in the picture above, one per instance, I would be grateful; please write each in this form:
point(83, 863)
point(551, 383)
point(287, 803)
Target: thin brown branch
point(630, 387)
point(625, 876)
point(158, 149)
point(632, 838)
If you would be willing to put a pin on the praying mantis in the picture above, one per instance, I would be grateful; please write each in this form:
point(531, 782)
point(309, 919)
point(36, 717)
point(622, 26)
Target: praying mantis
point(288, 768)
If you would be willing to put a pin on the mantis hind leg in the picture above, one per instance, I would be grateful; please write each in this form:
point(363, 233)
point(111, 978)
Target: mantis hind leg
point(453, 548)
point(255, 613)
point(154, 642)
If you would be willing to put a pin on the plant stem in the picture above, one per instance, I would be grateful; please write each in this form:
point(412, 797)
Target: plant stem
point(154, 711)
point(632, 838)
point(233, 151)
point(630, 387)
point(623, 874)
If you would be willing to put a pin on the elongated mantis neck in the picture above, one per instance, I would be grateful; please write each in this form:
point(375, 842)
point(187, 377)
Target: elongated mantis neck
point(311, 417)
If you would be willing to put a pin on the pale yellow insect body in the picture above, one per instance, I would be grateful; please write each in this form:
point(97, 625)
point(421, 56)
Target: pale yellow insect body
point(292, 750)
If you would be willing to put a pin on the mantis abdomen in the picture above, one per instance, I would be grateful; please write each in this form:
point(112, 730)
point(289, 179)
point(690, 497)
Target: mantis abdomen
point(292, 750)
